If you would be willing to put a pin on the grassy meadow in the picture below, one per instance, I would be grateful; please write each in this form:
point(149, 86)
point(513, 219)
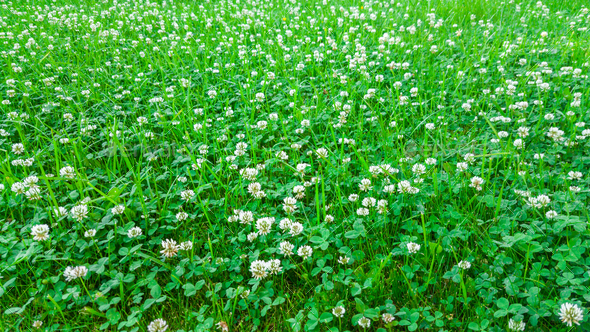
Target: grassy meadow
point(283, 165)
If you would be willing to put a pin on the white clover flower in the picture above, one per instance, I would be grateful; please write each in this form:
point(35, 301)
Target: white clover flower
point(299, 191)
point(158, 325)
point(518, 143)
point(413, 247)
point(72, 273)
point(37, 324)
point(40, 232)
point(170, 248)
point(322, 153)
point(369, 202)
point(18, 148)
point(244, 294)
point(119, 209)
point(186, 245)
point(286, 248)
point(551, 214)
point(418, 169)
point(305, 252)
point(254, 188)
point(523, 131)
point(477, 182)
point(570, 314)
point(274, 266)
point(296, 228)
point(365, 185)
point(246, 217)
point(282, 155)
point(90, 233)
point(430, 161)
point(181, 216)
point(362, 211)
point(556, 134)
point(516, 326)
point(31, 181)
point(301, 168)
point(389, 189)
point(252, 236)
point(79, 212)
point(464, 265)
point(289, 205)
point(285, 224)
point(364, 322)
point(33, 194)
point(259, 269)
point(382, 206)
point(261, 125)
point(405, 187)
point(187, 195)
point(67, 172)
point(338, 311)
point(387, 318)
point(264, 225)
point(249, 173)
point(134, 232)
point(543, 200)
point(142, 120)
point(60, 211)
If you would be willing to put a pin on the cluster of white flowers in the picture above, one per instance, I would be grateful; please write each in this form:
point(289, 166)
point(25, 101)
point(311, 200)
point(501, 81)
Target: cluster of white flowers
point(261, 269)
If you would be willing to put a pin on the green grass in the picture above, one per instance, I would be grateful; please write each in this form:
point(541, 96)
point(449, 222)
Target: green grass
point(174, 120)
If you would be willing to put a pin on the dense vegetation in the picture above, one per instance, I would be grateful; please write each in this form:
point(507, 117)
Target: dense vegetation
point(294, 165)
